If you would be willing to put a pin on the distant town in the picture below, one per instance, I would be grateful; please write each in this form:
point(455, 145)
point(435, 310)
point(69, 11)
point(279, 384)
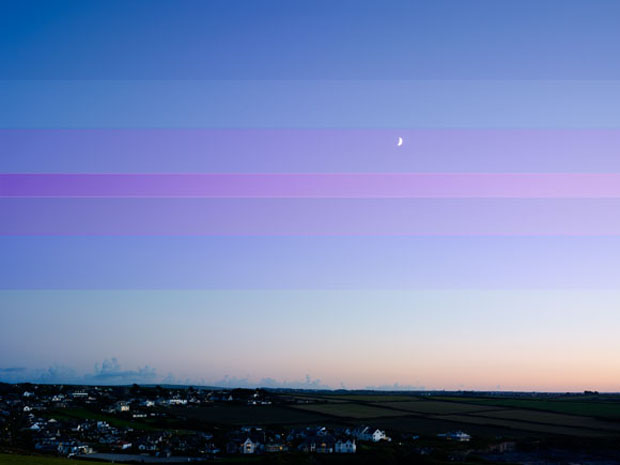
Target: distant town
point(164, 424)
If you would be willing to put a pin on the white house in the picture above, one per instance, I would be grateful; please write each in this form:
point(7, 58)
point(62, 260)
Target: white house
point(367, 433)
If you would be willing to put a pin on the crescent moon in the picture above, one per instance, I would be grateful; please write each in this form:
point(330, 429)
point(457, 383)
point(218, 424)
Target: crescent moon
point(400, 141)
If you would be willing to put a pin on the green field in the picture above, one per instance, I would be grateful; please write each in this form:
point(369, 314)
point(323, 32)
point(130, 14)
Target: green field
point(82, 413)
point(536, 416)
point(438, 408)
point(518, 425)
point(506, 416)
point(10, 459)
point(322, 399)
point(373, 398)
point(250, 415)
point(573, 407)
point(6, 459)
point(351, 410)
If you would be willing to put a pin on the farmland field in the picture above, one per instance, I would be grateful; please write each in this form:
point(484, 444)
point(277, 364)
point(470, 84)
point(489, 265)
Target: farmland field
point(434, 407)
point(373, 398)
point(552, 418)
point(351, 410)
point(437, 414)
point(323, 399)
point(524, 426)
point(572, 407)
point(253, 415)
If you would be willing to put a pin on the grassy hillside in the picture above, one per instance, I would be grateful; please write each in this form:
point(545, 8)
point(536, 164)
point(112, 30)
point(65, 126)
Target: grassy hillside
point(6, 459)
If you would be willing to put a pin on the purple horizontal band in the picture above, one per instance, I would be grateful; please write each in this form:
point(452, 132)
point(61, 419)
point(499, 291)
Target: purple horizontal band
point(308, 151)
point(310, 217)
point(341, 185)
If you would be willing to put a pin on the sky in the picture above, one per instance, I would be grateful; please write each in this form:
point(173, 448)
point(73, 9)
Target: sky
point(213, 192)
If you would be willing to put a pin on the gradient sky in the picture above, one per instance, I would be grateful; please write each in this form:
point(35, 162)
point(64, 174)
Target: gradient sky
point(211, 192)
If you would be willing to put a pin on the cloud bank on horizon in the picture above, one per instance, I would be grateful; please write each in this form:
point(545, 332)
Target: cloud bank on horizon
point(109, 372)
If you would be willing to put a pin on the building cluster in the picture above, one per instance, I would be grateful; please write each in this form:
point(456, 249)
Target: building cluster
point(71, 421)
point(458, 436)
point(67, 436)
point(314, 439)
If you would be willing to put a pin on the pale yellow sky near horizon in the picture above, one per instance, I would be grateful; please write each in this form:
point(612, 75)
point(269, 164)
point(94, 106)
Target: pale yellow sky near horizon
point(564, 340)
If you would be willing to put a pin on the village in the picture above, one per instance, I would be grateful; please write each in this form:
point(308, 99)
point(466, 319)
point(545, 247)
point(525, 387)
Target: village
point(150, 425)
